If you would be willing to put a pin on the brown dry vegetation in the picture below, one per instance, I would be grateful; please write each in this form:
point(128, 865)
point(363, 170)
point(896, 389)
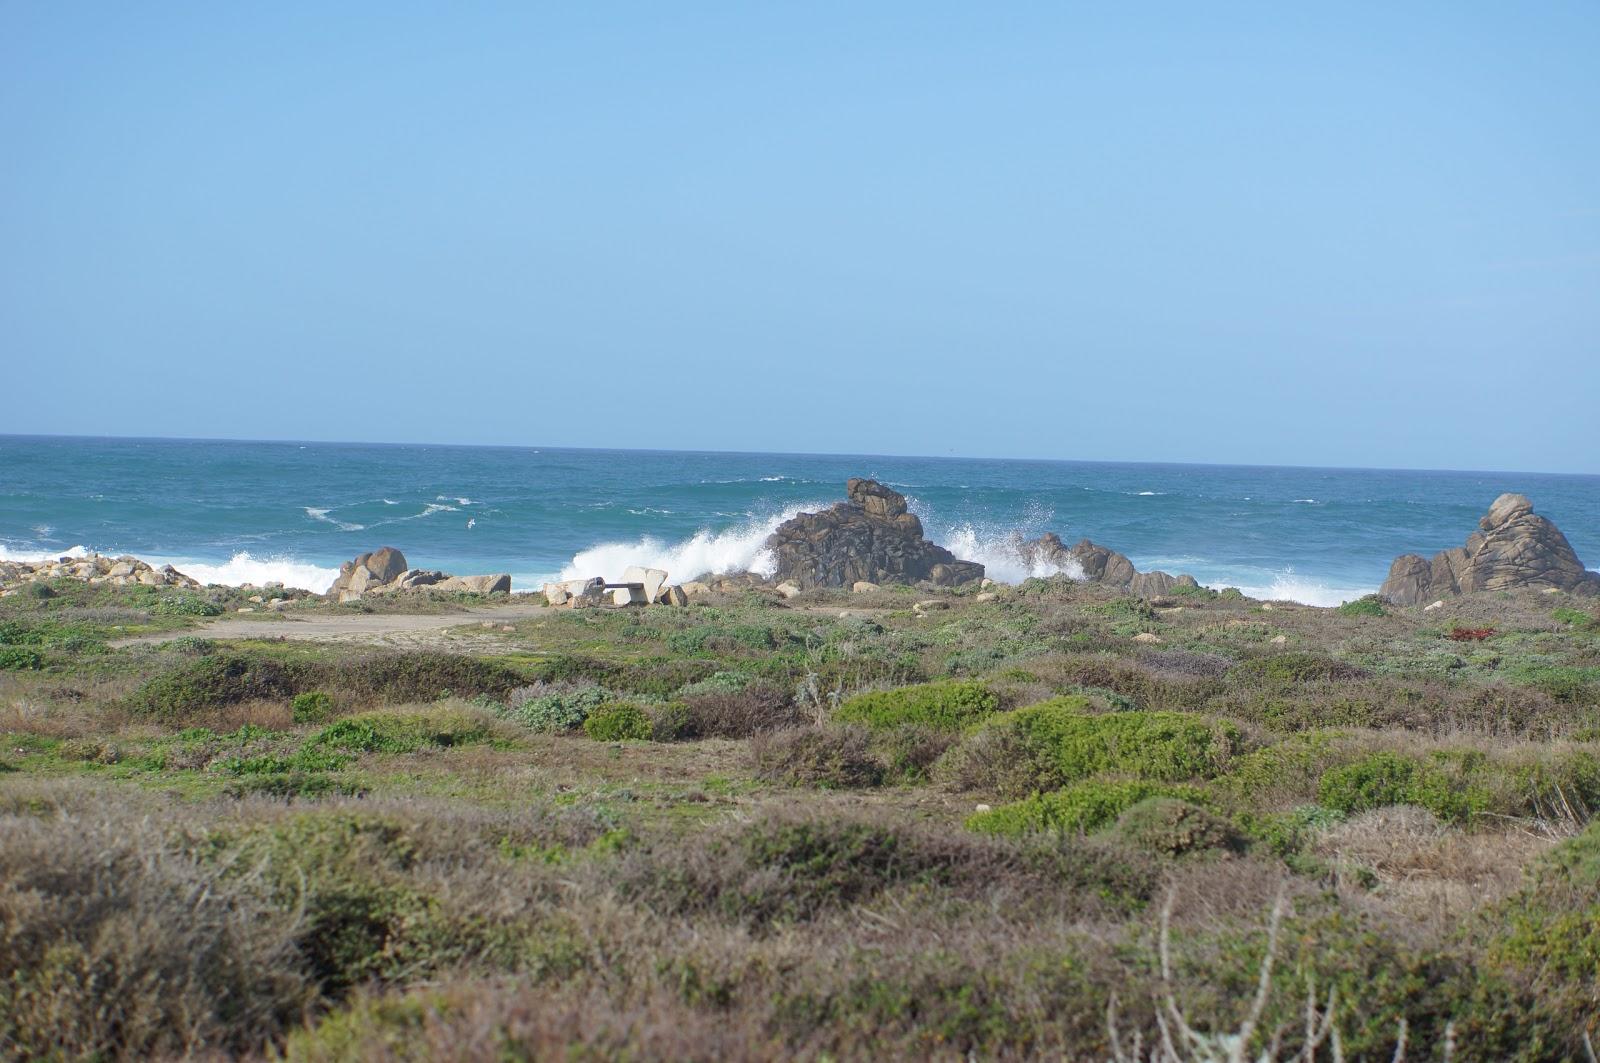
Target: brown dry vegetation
point(434, 861)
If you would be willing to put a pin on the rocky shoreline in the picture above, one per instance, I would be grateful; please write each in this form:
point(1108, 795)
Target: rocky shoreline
point(871, 540)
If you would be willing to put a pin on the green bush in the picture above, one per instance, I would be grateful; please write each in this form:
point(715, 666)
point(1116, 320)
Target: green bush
point(558, 712)
point(1171, 826)
point(185, 605)
point(420, 675)
point(1368, 605)
point(397, 732)
point(17, 659)
point(1548, 933)
point(824, 758)
point(616, 722)
point(1577, 618)
point(1071, 744)
point(669, 722)
point(1079, 808)
point(949, 706)
point(1288, 669)
point(203, 683)
point(908, 752)
point(1443, 784)
point(311, 707)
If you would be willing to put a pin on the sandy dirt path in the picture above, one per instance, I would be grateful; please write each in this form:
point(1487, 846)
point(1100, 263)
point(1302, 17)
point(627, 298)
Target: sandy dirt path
point(396, 629)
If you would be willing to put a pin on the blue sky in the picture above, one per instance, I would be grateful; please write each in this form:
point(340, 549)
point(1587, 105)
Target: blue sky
point(1268, 233)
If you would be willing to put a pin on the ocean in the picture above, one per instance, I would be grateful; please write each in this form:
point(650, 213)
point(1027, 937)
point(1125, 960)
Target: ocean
point(248, 512)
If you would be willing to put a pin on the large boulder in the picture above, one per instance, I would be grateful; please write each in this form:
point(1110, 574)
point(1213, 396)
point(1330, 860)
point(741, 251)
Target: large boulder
point(1514, 549)
point(367, 572)
point(870, 537)
point(1100, 564)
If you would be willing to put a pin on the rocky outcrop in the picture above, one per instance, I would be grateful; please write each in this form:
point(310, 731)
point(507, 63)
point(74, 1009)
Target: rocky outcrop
point(869, 538)
point(1513, 549)
point(384, 571)
point(93, 568)
point(1100, 564)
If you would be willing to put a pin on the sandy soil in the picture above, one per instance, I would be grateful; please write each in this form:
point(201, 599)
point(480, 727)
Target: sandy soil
point(395, 629)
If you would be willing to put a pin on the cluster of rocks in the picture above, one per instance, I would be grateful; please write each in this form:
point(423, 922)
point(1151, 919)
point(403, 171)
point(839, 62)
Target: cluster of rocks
point(869, 538)
point(384, 571)
point(1513, 549)
point(94, 568)
point(1100, 564)
point(639, 586)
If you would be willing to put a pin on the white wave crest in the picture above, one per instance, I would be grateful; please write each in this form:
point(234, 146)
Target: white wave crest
point(243, 568)
point(322, 515)
point(739, 549)
point(1288, 587)
point(35, 556)
point(1002, 555)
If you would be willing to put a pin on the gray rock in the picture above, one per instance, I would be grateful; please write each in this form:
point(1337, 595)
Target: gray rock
point(869, 538)
point(1514, 549)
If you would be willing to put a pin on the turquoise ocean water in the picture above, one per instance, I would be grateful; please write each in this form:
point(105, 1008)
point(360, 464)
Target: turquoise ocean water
point(235, 512)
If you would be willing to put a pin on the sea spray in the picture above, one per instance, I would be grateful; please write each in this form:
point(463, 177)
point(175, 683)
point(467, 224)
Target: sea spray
point(742, 548)
point(243, 568)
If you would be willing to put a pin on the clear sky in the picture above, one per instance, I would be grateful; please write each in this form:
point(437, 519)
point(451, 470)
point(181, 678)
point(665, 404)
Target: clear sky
point(1278, 233)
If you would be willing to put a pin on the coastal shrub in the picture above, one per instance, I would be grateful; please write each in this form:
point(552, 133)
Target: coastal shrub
point(669, 722)
point(1577, 618)
point(20, 658)
point(617, 721)
point(184, 605)
point(825, 758)
point(947, 706)
point(313, 706)
point(1171, 826)
point(190, 646)
point(420, 675)
point(1444, 784)
point(571, 668)
point(1289, 669)
point(116, 945)
point(1568, 684)
point(758, 708)
point(404, 732)
point(717, 683)
point(908, 752)
point(1547, 934)
point(188, 689)
point(1067, 743)
point(1367, 605)
point(558, 710)
point(1076, 809)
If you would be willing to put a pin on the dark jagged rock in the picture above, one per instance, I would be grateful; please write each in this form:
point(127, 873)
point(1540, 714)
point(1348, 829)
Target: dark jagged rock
point(1101, 564)
point(1513, 549)
point(871, 537)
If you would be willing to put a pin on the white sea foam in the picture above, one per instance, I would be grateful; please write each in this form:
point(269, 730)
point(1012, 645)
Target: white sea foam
point(1002, 556)
point(243, 568)
point(1286, 586)
point(322, 515)
point(238, 570)
point(738, 549)
point(33, 556)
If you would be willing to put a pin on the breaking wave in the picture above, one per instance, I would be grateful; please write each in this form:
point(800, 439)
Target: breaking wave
point(1002, 555)
point(240, 569)
point(1288, 587)
point(35, 556)
point(742, 548)
point(243, 568)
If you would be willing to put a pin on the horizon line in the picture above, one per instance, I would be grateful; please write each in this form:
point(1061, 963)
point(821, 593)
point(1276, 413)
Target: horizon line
point(776, 453)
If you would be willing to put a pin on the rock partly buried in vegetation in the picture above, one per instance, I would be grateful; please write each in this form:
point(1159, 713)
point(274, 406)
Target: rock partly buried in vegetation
point(1100, 564)
point(94, 568)
point(871, 538)
point(384, 571)
point(1514, 549)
